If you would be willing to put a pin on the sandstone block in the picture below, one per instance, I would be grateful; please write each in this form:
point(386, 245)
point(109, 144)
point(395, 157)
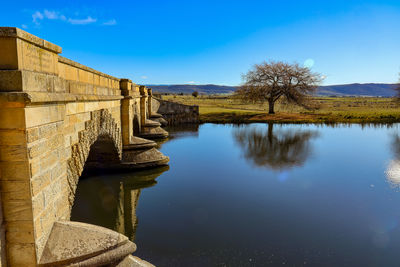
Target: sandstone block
point(38, 204)
point(58, 170)
point(38, 149)
point(20, 232)
point(21, 254)
point(40, 115)
point(125, 84)
point(18, 210)
point(47, 130)
point(40, 181)
point(69, 129)
point(17, 170)
point(84, 244)
point(11, 80)
point(69, 72)
point(12, 137)
point(132, 261)
point(34, 167)
point(8, 53)
point(24, 80)
point(49, 160)
point(32, 134)
point(13, 153)
point(80, 107)
point(15, 190)
point(12, 118)
point(55, 142)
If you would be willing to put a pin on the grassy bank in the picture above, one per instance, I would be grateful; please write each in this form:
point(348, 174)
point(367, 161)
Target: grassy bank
point(225, 109)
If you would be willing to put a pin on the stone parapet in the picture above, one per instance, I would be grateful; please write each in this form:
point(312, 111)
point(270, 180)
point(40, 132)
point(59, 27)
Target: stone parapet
point(12, 32)
point(176, 113)
point(31, 64)
point(23, 51)
point(92, 79)
point(77, 65)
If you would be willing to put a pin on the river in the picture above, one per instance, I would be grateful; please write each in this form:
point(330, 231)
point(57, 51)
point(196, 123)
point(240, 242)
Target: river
point(259, 195)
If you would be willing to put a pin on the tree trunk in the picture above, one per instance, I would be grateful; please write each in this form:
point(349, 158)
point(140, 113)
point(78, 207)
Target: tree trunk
point(271, 107)
point(270, 133)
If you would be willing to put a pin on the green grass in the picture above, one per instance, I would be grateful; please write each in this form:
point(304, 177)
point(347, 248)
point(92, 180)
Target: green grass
point(225, 109)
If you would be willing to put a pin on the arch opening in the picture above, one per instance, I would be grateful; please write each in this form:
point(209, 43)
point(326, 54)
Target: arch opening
point(99, 144)
point(136, 119)
point(102, 153)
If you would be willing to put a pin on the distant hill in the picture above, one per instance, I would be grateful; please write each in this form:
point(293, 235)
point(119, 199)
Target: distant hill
point(189, 88)
point(355, 89)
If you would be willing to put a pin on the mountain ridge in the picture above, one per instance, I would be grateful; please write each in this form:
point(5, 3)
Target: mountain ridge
point(353, 89)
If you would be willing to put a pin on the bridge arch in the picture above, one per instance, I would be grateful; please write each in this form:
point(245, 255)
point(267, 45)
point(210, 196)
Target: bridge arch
point(99, 144)
point(136, 118)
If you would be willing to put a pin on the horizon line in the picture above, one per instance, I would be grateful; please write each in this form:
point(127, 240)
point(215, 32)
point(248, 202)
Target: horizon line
point(202, 84)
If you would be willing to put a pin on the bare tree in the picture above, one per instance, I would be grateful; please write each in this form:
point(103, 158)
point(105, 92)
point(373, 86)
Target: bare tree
point(272, 80)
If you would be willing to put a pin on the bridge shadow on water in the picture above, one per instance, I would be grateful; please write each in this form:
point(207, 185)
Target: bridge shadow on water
point(110, 199)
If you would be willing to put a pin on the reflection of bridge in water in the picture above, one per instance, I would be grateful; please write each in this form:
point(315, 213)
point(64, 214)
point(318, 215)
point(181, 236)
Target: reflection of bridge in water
point(111, 200)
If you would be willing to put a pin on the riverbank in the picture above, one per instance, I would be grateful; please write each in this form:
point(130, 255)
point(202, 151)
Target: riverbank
point(225, 109)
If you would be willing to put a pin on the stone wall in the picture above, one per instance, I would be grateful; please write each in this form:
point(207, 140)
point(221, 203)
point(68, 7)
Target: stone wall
point(176, 113)
point(52, 110)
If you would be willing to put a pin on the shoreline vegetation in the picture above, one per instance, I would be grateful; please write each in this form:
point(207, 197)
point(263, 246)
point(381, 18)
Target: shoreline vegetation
point(227, 109)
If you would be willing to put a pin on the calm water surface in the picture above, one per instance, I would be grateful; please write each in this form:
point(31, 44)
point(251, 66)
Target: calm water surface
point(259, 195)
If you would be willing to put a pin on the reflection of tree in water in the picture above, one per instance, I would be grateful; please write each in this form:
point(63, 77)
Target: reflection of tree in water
point(279, 150)
point(393, 170)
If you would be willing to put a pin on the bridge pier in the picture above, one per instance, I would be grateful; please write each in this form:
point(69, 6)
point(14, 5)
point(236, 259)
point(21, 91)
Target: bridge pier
point(149, 129)
point(56, 117)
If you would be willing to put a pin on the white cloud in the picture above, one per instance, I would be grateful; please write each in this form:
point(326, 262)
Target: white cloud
point(24, 26)
point(53, 15)
point(46, 14)
point(191, 82)
point(110, 22)
point(143, 77)
point(36, 17)
point(50, 14)
point(88, 20)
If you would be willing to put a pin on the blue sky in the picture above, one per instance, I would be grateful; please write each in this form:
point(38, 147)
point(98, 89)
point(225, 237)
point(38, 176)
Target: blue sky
point(170, 42)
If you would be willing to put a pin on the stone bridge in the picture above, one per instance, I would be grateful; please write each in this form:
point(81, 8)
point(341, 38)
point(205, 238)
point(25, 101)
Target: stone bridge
point(57, 118)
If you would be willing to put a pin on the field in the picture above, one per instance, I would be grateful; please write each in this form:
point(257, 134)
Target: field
point(226, 109)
